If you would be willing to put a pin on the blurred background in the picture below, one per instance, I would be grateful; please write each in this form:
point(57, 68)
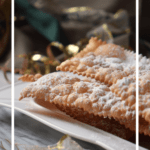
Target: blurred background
point(48, 32)
point(5, 26)
point(144, 26)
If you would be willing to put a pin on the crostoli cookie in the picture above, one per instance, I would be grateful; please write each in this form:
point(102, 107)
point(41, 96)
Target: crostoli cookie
point(144, 95)
point(74, 91)
point(102, 84)
point(108, 63)
point(107, 124)
point(104, 62)
point(30, 78)
point(111, 64)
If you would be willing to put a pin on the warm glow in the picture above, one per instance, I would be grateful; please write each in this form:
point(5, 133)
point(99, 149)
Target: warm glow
point(36, 57)
point(72, 49)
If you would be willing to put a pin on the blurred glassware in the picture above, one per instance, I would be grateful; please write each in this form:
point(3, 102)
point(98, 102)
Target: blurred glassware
point(56, 7)
point(87, 16)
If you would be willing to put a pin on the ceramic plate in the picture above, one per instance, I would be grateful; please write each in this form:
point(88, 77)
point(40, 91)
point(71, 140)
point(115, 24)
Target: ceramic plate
point(61, 122)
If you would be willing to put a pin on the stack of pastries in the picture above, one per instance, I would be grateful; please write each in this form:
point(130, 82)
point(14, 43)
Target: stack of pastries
point(98, 87)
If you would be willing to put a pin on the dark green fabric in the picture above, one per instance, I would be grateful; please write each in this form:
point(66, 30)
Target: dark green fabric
point(43, 22)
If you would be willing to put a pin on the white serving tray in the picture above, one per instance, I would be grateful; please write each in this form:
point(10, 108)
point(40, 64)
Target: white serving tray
point(64, 123)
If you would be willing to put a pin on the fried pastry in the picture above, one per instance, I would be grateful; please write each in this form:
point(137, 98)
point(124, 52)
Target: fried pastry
point(107, 124)
point(104, 62)
point(144, 95)
point(30, 78)
point(74, 91)
point(100, 81)
point(111, 64)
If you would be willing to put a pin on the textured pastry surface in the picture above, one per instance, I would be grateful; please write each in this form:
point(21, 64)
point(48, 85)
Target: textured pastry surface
point(110, 64)
point(67, 89)
point(115, 66)
point(30, 78)
point(104, 62)
point(102, 82)
point(144, 95)
point(106, 124)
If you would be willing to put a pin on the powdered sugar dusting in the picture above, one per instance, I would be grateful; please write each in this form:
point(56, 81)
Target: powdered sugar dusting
point(73, 90)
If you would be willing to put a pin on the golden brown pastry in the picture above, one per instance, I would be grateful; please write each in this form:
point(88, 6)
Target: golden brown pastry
point(102, 84)
point(74, 91)
point(144, 95)
point(104, 62)
point(30, 78)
